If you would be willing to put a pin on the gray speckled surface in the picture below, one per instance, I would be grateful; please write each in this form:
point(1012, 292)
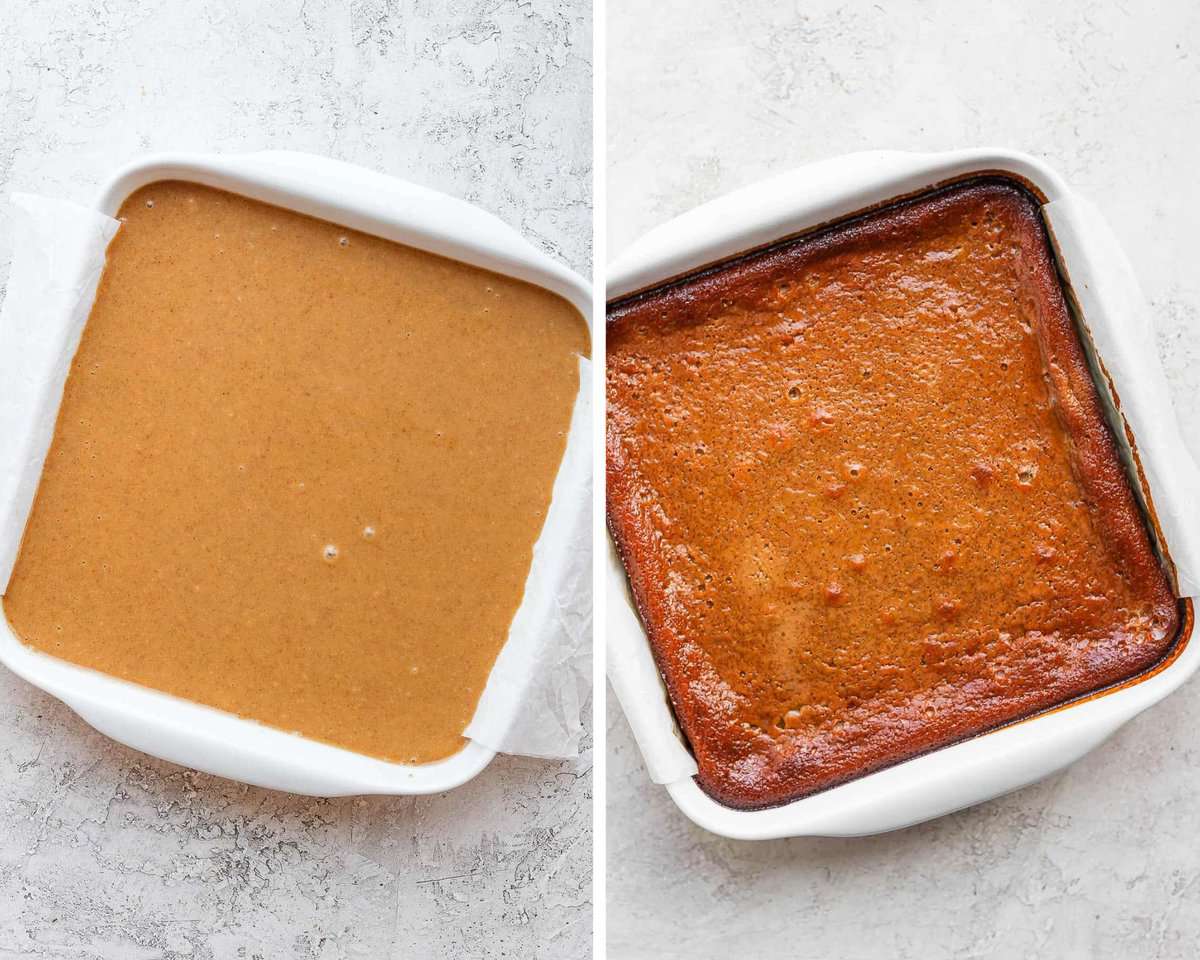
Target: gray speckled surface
point(1102, 860)
point(106, 853)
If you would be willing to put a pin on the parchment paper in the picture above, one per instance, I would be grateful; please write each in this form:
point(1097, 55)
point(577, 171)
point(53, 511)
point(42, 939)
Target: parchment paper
point(58, 253)
point(1120, 324)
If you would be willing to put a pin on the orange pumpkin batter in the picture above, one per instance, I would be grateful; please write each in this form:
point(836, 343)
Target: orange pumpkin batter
point(298, 472)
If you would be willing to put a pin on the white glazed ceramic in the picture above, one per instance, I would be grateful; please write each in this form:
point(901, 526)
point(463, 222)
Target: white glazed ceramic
point(218, 742)
point(1004, 759)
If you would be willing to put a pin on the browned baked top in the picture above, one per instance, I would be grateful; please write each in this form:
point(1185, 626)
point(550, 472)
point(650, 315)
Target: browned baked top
point(867, 499)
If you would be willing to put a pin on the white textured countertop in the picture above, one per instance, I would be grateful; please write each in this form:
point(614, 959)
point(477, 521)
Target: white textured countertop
point(1101, 861)
point(106, 853)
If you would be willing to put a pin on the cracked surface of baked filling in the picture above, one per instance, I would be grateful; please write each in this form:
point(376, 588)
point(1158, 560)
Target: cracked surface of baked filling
point(867, 499)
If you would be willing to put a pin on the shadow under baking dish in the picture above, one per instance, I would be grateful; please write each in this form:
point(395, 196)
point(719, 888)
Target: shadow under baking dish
point(708, 297)
point(274, 550)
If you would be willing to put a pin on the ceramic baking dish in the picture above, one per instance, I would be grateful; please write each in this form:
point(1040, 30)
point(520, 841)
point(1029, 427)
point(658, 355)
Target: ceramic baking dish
point(221, 743)
point(1120, 343)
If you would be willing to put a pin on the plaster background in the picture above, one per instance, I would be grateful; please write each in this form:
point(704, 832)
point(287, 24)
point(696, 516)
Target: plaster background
point(106, 853)
point(705, 96)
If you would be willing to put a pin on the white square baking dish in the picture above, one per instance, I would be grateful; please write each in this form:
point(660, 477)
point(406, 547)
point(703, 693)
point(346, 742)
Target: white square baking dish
point(221, 743)
point(1119, 339)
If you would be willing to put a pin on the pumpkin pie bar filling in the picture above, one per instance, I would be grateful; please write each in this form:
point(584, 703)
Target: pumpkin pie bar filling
point(298, 472)
point(867, 498)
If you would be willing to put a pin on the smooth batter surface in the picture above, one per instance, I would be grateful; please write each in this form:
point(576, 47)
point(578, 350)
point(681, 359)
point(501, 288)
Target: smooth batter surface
point(298, 472)
point(867, 498)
